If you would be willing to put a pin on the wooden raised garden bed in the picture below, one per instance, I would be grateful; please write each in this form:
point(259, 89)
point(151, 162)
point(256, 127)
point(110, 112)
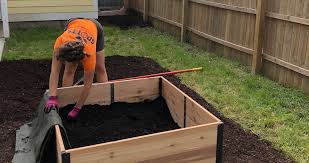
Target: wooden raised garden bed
point(198, 140)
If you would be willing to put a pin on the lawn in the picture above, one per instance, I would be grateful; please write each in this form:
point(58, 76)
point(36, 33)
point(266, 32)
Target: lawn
point(275, 113)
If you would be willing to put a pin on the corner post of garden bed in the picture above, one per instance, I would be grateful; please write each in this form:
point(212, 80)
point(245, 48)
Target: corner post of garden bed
point(65, 157)
point(62, 155)
point(160, 86)
point(184, 111)
point(112, 86)
point(219, 152)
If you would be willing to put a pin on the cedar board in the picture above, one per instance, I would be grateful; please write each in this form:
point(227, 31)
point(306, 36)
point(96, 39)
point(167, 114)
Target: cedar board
point(198, 140)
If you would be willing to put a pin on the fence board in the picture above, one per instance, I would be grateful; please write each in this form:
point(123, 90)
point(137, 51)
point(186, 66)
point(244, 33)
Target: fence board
point(227, 27)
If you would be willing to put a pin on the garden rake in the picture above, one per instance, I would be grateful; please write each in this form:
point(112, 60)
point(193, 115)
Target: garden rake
point(151, 75)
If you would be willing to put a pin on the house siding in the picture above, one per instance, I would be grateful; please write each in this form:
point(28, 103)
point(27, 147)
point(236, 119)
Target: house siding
point(40, 10)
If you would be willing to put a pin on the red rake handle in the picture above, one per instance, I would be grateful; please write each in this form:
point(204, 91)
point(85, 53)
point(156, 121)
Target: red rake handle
point(152, 75)
point(160, 74)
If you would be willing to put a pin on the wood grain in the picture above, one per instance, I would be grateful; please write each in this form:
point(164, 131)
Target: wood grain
point(99, 94)
point(258, 37)
point(59, 144)
point(136, 90)
point(198, 142)
point(228, 27)
point(175, 102)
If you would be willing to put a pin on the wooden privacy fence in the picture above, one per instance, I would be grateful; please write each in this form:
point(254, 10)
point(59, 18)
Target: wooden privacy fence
point(271, 36)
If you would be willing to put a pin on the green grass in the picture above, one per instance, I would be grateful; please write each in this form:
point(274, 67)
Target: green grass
point(274, 112)
point(36, 43)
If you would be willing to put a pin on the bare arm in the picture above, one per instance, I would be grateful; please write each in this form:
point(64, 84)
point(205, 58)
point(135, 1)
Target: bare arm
point(54, 75)
point(88, 80)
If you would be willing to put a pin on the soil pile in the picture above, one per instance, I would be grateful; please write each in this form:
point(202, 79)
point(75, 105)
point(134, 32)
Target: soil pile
point(24, 82)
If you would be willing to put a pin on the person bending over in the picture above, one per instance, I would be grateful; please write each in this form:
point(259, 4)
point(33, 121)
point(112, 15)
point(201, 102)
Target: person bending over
point(81, 42)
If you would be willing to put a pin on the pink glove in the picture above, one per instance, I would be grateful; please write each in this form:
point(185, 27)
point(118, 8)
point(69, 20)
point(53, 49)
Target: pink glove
point(51, 104)
point(74, 113)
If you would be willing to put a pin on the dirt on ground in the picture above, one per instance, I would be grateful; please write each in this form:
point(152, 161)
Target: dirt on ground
point(99, 124)
point(24, 82)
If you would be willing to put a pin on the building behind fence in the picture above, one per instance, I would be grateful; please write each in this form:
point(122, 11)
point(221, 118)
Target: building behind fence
point(232, 28)
point(110, 4)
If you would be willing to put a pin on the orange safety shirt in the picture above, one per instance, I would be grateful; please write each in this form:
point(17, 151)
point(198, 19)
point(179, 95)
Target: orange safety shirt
point(86, 31)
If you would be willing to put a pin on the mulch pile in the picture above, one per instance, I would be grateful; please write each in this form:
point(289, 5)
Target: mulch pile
point(24, 82)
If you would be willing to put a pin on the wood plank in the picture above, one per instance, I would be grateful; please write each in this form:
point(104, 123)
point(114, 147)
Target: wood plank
point(266, 48)
point(54, 3)
point(305, 81)
point(227, 33)
point(211, 24)
point(167, 20)
point(242, 28)
point(287, 37)
point(99, 94)
point(136, 90)
point(193, 108)
point(258, 37)
point(197, 115)
point(59, 143)
point(168, 10)
point(225, 6)
point(50, 16)
point(146, 11)
point(179, 12)
point(175, 101)
point(185, 10)
point(293, 42)
point(271, 39)
point(234, 54)
point(248, 29)
point(164, 144)
point(223, 42)
point(219, 26)
point(250, 34)
point(298, 56)
point(288, 18)
point(281, 27)
point(274, 15)
point(287, 65)
point(194, 156)
point(141, 5)
point(64, 9)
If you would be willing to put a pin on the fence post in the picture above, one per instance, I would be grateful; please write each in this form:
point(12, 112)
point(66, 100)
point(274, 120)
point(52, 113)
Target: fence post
point(126, 4)
point(146, 10)
point(258, 36)
point(185, 8)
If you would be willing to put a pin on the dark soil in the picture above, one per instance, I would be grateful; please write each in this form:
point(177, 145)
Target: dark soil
point(23, 83)
point(99, 124)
